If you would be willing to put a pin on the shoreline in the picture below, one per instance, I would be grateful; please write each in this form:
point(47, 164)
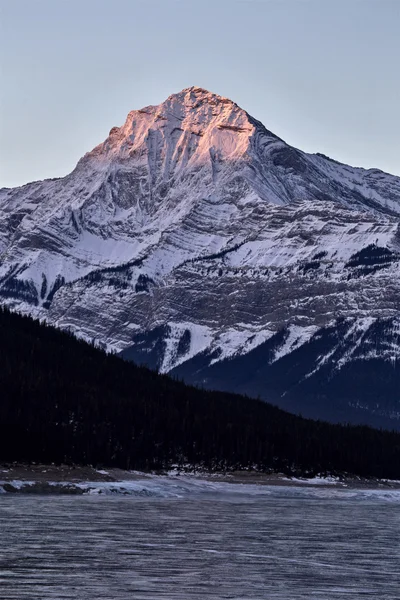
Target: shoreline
point(64, 479)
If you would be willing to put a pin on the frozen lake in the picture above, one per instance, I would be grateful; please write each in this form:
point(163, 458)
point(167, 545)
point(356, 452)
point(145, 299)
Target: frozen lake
point(178, 541)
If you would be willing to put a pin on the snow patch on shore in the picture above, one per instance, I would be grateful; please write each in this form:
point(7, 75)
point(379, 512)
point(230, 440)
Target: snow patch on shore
point(188, 486)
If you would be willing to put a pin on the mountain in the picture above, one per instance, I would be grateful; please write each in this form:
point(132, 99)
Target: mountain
point(113, 413)
point(198, 242)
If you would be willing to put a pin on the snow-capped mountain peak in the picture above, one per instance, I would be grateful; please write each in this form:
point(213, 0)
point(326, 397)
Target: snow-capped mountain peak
point(196, 236)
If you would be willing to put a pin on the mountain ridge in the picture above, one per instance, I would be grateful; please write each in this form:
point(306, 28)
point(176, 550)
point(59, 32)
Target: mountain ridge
point(195, 229)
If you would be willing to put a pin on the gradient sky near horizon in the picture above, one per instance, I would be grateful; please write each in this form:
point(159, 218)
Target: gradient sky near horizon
point(321, 74)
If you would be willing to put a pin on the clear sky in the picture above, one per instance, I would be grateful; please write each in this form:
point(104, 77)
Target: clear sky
point(322, 74)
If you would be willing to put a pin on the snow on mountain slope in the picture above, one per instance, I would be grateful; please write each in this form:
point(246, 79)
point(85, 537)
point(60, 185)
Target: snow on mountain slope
point(194, 232)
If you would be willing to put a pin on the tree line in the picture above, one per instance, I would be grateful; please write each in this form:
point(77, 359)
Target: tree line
point(65, 401)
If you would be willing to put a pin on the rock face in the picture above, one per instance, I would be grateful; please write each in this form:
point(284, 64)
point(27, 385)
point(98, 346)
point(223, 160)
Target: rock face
point(198, 242)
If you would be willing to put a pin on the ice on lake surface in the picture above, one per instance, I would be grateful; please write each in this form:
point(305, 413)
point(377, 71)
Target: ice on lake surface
point(188, 541)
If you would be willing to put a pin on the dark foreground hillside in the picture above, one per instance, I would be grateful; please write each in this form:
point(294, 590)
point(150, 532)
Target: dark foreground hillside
point(63, 400)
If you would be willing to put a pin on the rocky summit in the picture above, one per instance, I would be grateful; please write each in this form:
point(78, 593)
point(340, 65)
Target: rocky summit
point(198, 242)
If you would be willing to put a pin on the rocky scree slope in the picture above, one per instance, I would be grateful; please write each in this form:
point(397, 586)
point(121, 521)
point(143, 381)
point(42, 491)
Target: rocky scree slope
point(198, 242)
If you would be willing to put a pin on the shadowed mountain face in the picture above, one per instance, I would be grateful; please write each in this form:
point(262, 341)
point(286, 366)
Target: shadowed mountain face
point(196, 241)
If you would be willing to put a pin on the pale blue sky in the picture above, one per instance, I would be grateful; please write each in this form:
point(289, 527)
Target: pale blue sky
point(322, 74)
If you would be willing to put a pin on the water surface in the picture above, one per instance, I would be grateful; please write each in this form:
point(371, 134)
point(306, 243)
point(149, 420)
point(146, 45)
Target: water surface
point(211, 541)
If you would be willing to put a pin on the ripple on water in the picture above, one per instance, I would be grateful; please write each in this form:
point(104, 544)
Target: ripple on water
point(286, 544)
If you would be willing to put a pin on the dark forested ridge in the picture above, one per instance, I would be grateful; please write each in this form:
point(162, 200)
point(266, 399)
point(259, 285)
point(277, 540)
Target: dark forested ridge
point(63, 400)
point(363, 391)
